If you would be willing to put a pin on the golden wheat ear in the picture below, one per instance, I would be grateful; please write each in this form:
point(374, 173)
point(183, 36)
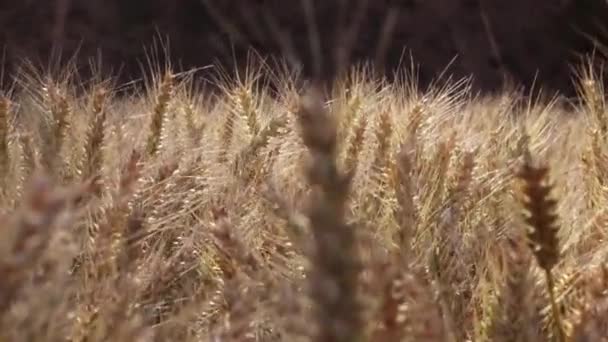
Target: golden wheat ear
point(157, 136)
point(93, 158)
point(60, 109)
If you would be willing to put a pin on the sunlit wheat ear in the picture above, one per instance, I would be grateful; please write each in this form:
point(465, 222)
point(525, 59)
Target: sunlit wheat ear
point(334, 261)
point(350, 115)
point(487, 314)
point(157, 136)
point(416, 117)
point(248, 163)
point(246, 106)
point(226, 135)
point(543, 228)
point(384, 134)
point(62, 115)
point(382, 161)
point(595, 170)
point(415, 120)
point(118, 220)
point(591, 88)
point(448, 229)
point(355, 144)
point(439, 167)
point(194, 131)
point(61, 111)
point(232, 246)
point(406, 214)
point(459, 187)
point(93, 159)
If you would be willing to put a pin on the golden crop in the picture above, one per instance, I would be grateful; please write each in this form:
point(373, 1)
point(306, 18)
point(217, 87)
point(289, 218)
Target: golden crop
point(369, 211)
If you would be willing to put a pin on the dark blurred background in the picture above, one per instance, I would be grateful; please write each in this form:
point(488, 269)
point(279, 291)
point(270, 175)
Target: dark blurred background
point(521, 40)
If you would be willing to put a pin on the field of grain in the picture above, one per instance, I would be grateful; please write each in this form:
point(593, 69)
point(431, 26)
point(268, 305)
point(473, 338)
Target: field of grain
point(365, 211)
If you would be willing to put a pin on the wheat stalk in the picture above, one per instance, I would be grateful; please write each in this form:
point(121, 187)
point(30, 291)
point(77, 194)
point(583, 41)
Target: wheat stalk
point(335, 265)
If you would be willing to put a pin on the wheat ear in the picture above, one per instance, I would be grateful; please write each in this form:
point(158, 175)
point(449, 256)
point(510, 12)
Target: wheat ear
point(543, 228)
point(96, 136)
point(156, 137)
point(61, 112)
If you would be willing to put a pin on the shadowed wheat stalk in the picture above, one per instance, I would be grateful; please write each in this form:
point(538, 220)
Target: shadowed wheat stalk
point(334, 261)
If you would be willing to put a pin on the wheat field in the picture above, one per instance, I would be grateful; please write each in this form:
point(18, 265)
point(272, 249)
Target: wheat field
point(365, 211)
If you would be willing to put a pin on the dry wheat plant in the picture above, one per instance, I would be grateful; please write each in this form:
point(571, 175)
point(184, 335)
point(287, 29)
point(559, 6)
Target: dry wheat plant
point(365, 211)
